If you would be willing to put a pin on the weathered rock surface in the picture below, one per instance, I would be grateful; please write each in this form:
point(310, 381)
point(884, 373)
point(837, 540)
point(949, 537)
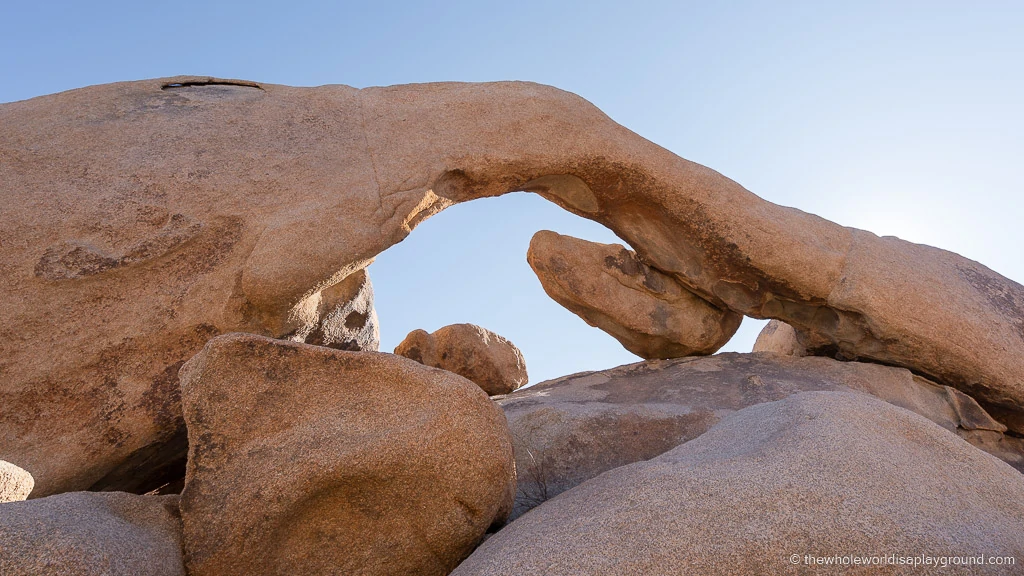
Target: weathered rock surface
point(779, 338)
point(15, 484)
point(569, 430)
point(347, 318)
point(91, 534)
point(491, 361)
point(650, 313)
point(142, 218)
point(819, 473)
point(307, 460)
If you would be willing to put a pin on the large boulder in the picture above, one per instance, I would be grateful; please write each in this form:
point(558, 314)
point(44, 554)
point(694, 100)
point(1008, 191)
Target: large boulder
point(772, 488)
point(491, 361)
point(91, 534)
point(649, 312)
point(307, 460)
point(142, 218)
point(15, 484)
point(571, 429)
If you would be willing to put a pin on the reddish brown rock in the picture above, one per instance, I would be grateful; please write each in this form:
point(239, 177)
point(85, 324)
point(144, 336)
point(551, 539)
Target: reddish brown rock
point(308, 460)
point(491, 361)
point(574, 428)
point(91, 534)
point(142, 218)
point(821, 474)
point(648, 312)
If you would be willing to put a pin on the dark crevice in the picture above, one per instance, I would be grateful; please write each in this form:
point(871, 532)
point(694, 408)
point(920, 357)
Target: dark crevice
point(194, 83)
point(156, 468)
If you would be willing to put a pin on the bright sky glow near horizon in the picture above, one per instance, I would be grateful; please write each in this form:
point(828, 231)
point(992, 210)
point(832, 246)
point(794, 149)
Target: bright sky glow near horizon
point(904, 119)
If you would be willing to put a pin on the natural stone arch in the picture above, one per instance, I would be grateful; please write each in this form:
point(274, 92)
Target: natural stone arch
point(144, 217)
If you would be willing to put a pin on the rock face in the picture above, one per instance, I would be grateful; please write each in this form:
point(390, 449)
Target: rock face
point(15, 483)
point(347, 318)
point(819, 473)
point(92, 533)
point(492, 362)
point(163, 212)
point(569, 430)
point(779, 338)
point(649, 312)
point(306, 460)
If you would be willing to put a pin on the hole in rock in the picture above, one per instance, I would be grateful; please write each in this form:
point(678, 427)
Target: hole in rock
point(467, 264)
point(355, 320)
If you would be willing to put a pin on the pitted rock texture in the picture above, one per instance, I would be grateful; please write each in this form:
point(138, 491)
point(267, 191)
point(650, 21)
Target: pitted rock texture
point(15, 484)
point(648, 312)
point(91, 534)
point(142, 218)
point(818, 473)
point(347, 319)
point(491, 361)
point(571, 429)
point(307, 460)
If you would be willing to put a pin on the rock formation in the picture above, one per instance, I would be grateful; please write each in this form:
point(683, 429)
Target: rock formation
point(571, 429)
point(779, 338)
point(15, 484)
point(649, 312)
point(819, 474)
point(491, 361)
point(143, 218)
point(91, 534)
point(345, 317)
point(307, 460)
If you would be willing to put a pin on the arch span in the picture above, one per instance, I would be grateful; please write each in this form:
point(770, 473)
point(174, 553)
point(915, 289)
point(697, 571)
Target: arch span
point(139, 221)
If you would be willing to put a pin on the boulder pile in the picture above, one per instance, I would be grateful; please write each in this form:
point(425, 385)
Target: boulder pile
point(818, 474)
point(191, 383)
point(574, 428)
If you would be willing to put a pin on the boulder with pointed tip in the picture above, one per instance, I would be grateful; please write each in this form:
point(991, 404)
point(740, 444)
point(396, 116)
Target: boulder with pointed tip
point(650, 313)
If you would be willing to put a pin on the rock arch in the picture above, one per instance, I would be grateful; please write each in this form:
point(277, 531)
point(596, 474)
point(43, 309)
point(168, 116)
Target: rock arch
point(239, 202)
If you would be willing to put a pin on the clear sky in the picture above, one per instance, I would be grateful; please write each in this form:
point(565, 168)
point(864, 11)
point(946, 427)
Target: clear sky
point(903, 118)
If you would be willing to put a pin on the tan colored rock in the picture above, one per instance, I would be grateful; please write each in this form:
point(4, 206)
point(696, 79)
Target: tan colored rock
point(142, 218)
point(92, 534)
point(347, 318)
point(650, 313)
point(819, 474)
point(15, 484)
point(491, 361)
point(307, 460)
point(571, 429)
point(779, 338)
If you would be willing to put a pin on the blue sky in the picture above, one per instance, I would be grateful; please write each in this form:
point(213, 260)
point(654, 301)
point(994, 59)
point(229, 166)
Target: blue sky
point(901, 118)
